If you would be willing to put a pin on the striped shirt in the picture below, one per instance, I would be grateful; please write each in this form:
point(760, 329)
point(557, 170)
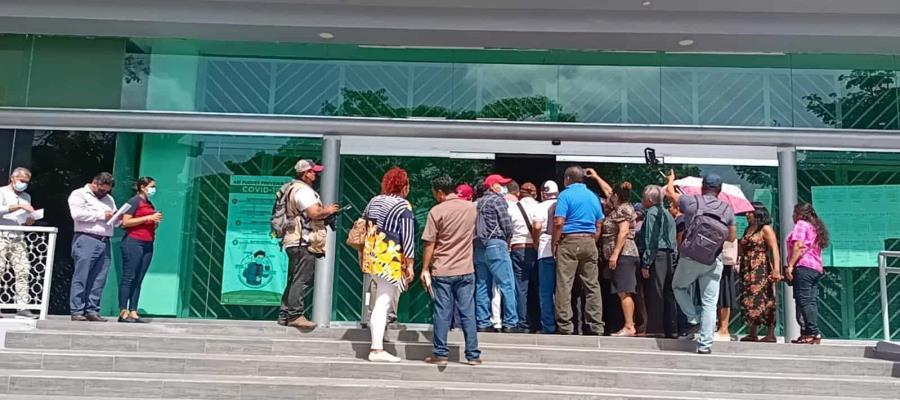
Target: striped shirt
point(393, 214)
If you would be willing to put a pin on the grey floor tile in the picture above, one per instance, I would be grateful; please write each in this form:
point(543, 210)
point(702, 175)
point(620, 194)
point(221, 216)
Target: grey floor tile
point(123, 388)
point(209, 366)
point(31, 340)
point(158, 365)
point(171, 345)
point(16, 361)
point(243, 347)
point(202, 390)
point(45, 386)
point(104, 343)
point(78, 362)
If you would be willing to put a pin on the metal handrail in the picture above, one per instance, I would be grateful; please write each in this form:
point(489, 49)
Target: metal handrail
point(883, 270)
point(48, 262)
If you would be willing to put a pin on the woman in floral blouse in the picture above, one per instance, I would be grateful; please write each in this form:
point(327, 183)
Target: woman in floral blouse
point(759, 274)
point(388, 252)
point(621, 252)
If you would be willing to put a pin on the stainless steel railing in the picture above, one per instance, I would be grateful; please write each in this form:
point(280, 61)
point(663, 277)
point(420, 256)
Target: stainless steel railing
point(883, 271)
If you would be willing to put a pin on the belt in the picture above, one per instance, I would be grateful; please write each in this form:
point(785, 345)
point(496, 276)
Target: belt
point(522, 246)
point(97, 237)
point(577, 235)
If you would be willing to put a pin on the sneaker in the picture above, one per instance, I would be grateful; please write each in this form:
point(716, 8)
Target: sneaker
point(383, 356)
point(302, 323)
point(691, 333)
point(489, 329)
point(434, 360)
point(26, 314)
point(706, 351)
point(474, 362)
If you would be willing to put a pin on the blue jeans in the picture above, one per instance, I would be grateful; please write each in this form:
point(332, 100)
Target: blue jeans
point(524, 263)
point(136, 257)
point(493, 265)
point(707, 277)
point(453, 293)
point(90, 257)
point(547, 279)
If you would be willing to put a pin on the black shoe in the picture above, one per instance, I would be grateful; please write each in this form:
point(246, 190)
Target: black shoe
point(489, 329)
point(591, 332)
point(79, 318)
point(95, 318)
point(705, 351)
point(514, 329)
point(139, 320)
point(690, 333)
point(126, 320)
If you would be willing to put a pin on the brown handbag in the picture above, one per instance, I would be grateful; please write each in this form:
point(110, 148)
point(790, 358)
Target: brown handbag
point(356, 238)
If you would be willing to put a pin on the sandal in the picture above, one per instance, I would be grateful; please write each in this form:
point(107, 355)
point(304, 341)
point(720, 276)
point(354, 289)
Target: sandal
point(769, 339)
point(625, 333)
point(750, 339)
point(801, 340)
point(815, 339)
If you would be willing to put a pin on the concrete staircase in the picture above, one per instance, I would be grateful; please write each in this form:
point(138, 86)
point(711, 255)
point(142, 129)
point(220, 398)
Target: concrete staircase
point(191, 359)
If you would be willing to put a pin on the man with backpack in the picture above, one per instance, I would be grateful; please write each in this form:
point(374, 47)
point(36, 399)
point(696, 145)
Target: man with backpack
point(709, 223)
point(298, 219)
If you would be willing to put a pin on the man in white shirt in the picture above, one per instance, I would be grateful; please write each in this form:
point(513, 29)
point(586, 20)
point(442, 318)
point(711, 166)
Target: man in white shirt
point(300, 245)
point(523, 250)
point(546, 263)
point(91, 208)
point(13, 247)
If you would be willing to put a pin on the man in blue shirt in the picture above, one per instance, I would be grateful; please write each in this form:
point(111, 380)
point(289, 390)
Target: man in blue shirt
point(576, 231)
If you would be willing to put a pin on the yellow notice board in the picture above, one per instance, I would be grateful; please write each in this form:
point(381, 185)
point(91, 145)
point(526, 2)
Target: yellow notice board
point(859, 219)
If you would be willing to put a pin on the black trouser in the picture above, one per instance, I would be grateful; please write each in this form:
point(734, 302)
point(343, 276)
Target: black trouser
point(806, 294)
point(301, 270)
point(136, 256)
point(662, 313)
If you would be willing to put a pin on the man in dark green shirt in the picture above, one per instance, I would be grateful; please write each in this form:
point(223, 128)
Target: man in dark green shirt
point(657, 256)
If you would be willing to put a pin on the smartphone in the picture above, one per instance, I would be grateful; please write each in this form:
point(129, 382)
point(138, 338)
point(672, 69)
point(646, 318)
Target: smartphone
point(348, 207)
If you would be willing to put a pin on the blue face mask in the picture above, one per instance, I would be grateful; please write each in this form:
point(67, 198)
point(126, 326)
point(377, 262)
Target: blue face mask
point(20, 186)
point(151, 191)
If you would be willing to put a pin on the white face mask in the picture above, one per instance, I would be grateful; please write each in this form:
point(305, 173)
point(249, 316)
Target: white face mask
point(20, 186)
point(504, 191)
point(151, 191)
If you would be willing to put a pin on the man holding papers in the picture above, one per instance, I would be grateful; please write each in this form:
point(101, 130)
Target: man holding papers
point(94, 211)
point(16, 209)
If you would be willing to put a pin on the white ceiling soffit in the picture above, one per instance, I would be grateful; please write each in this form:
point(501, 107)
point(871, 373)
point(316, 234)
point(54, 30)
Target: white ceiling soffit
point(630, 153)
point(859, 26)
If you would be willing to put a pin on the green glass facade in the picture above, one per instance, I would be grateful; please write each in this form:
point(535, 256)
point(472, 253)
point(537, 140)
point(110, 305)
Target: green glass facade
point(791, 90)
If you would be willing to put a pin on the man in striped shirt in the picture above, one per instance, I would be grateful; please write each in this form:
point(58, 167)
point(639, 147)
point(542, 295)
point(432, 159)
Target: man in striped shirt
point(493, 231)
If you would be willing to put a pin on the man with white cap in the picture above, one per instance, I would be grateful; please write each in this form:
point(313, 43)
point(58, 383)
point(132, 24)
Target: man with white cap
point(546, 262)
point(302, 241)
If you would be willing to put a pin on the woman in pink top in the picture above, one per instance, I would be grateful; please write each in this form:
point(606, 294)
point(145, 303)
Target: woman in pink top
point(804, 269)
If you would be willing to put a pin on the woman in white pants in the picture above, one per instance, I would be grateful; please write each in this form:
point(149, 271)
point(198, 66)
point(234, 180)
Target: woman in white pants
point(388, 253)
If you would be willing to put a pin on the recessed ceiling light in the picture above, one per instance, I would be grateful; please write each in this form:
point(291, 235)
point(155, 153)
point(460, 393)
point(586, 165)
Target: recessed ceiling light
point(647, 3)
point(685, 42)
point(326, 35)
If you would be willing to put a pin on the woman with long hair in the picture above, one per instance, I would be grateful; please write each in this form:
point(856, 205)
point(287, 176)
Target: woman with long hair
point(621, 252)
point(388, 253)
point(759, 274)
point(805, 270)
point(139, 222)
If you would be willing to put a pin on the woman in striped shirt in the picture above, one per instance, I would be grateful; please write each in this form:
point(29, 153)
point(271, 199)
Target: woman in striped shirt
point(388, 252)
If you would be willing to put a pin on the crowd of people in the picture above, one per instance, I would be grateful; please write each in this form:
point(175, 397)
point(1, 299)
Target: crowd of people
point(498, 256)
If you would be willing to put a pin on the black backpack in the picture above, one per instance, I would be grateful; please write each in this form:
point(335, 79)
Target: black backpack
point(705, 233)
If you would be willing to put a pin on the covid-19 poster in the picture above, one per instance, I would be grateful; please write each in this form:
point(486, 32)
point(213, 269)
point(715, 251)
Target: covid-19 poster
point(254, 268)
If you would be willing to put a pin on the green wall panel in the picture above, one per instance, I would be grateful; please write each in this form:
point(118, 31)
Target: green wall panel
point(76, 72)
point(15, 57)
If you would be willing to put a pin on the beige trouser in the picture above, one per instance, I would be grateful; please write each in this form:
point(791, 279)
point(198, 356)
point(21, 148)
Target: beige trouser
point(14, 254)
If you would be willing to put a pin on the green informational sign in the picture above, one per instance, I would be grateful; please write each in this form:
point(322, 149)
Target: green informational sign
point(859, 220)
point(254, 268)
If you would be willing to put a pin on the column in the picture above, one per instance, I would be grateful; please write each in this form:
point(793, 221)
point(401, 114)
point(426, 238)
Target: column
point(324, 285)
point(787, 198)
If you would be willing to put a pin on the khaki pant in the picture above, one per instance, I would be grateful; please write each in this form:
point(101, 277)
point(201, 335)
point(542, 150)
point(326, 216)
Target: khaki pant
point(14, 255)
point(577, 256)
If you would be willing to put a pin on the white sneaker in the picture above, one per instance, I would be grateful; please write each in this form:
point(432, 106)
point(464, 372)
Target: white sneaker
point(383, 356)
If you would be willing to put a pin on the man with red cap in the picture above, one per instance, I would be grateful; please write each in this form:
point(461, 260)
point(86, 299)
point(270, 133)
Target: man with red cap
point(493, 231)
point(302, 241)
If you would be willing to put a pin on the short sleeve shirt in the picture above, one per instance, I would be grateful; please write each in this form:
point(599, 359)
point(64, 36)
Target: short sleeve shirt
point(806, 233)
point(610, 229)
point(141, 208)
point(581, 209)
point(546, 209)
point(689, 205)
point(521, 228)
point(305, 197)
point(451, 227)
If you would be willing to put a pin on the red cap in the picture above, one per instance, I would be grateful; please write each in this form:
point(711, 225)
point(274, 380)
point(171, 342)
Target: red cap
point(306, 165)
point(465, 192)
point(494, 179)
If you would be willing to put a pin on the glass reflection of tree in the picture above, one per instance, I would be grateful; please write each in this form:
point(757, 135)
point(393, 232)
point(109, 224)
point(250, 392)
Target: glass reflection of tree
point(375, 103)
point(869, 102)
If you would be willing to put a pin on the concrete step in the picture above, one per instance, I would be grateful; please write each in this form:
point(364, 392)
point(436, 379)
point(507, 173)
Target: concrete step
point(655, 377)
point(24, 354)
point(270, 330)
point(181, 386)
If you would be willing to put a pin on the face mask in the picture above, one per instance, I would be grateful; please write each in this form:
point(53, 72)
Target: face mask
point(20, 186)
point(259, 260)
point(504, 191)
point(151, 191)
